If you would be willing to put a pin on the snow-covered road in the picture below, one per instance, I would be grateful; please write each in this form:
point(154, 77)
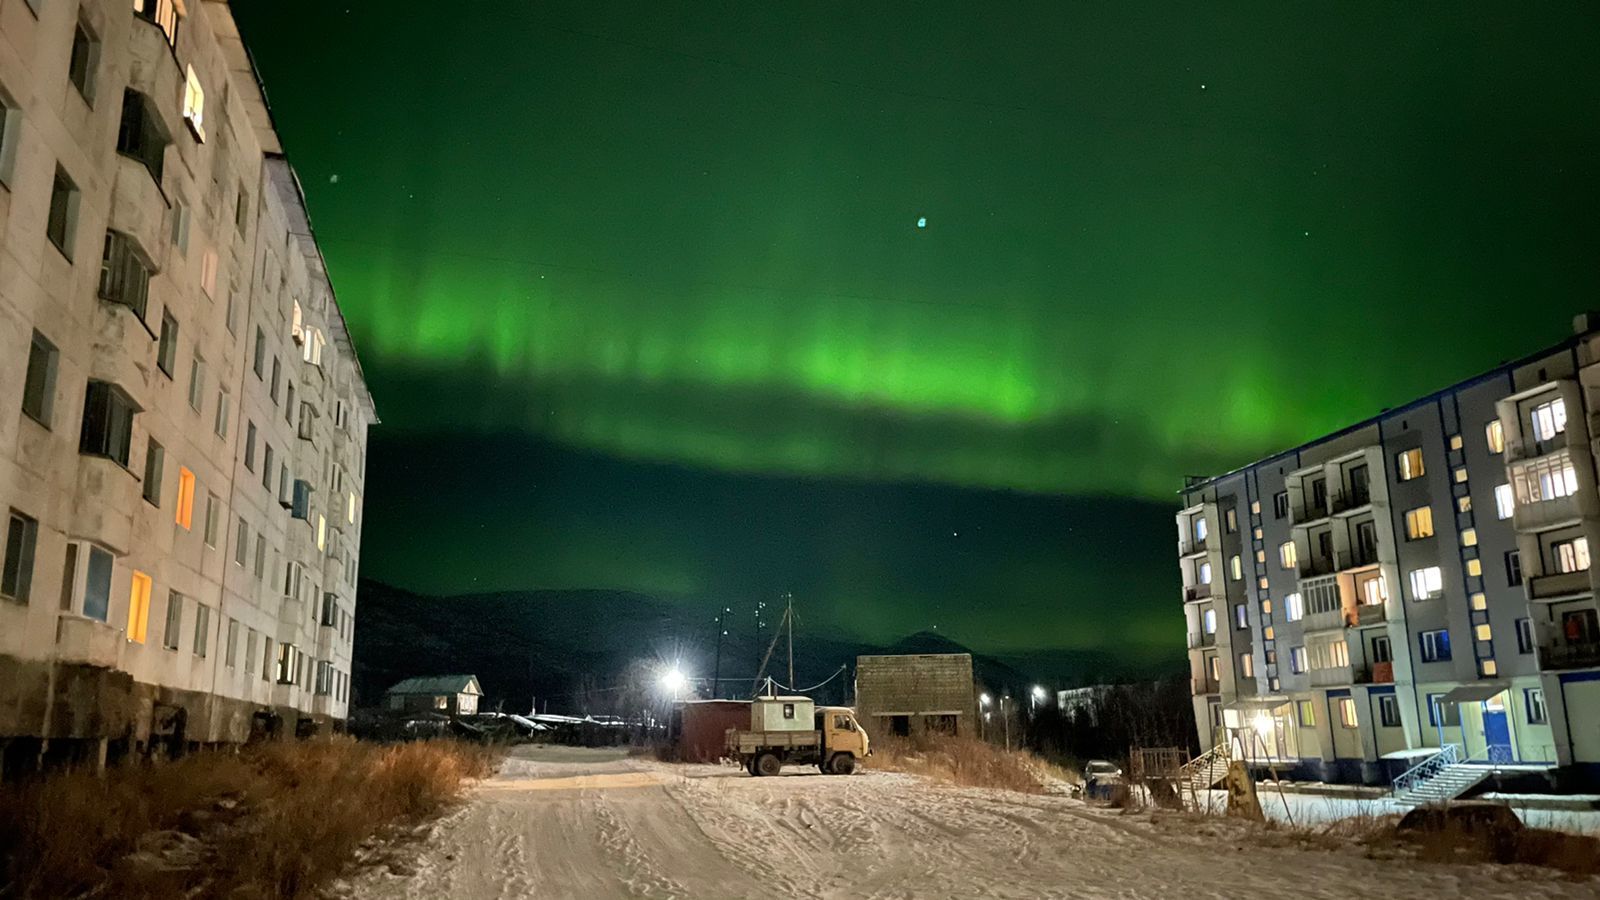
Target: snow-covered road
point(565, 822)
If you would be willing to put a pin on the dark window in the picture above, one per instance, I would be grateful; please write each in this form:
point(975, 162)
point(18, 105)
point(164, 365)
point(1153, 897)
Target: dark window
point(277, 373)
point(154, 465)
point(1389, 711)
point(260, 361)
point(1280, 504)
point(1435, 645)
point(167, 349)
point(107, 422)
point(250, 446)
point(1380, 650)
point(80, 64)
point(899, 725)
point(1442, 714)
point(266, 468)
point(1524, 635)
point(124, 276)
point(140, 135)
point(39, 386)
point(1513, 568)
point(59, 226)
point(1533, 698)
point(1319, 495)
point(241, 209)
point(169, 637)
point(16, 575)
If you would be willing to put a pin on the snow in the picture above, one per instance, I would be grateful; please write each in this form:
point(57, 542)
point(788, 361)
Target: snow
point(570, 822)
point(1313, 809)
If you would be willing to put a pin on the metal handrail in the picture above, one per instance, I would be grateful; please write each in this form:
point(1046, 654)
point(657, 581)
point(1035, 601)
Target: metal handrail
point(1448, 755)
point(1206, 760)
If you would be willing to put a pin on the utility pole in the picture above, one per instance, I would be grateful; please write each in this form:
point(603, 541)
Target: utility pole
point(716, 669)
point(788, 616)
point(1005, 714)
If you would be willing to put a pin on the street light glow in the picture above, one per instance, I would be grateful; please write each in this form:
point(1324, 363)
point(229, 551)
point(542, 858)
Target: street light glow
point(984, 699)
point(1038, 692)
point(673, 680)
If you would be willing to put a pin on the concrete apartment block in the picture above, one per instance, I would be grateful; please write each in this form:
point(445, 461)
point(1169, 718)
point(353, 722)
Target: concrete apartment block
point(183, 420)
point(1418, 580)
point(906, 693)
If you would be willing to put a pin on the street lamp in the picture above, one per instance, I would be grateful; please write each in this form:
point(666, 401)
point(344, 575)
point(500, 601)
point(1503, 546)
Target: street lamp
point(673, 682)
point(1038, 696)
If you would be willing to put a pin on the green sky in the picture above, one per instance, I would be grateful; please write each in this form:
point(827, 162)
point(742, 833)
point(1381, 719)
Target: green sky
point(1160, 239)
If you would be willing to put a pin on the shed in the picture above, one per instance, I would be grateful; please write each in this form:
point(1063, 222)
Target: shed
point(701, 727)
point(913, 692)
point(455, 695)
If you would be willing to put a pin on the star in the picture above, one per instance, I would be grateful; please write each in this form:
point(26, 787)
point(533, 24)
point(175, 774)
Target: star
point(922, 221)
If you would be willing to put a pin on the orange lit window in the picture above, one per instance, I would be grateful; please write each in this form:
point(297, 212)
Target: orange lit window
point(139, 607)
point(185, 498)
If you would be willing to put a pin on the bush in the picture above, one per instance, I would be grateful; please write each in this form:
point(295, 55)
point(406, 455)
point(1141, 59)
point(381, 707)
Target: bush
point(274, 821)
point(964, 761)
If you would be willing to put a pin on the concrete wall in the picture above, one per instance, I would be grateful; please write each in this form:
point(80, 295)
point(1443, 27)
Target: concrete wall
point(224, 231)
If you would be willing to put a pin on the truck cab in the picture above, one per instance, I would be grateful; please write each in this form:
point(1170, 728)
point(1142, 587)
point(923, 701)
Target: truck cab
point(843, 738)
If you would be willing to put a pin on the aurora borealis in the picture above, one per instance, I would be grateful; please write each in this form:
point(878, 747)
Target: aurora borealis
point(921, 312)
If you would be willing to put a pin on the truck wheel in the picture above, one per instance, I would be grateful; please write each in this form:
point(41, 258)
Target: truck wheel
point(768, 764)
point(842, 764)
point(750, 764)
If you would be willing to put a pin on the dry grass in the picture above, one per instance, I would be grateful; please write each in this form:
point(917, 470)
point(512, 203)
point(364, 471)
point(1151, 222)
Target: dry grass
point(276, 821)
point(965, 761)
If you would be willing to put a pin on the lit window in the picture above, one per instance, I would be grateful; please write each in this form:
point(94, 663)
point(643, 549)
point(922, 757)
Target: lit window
point(1549, 419)
point(1408, 464)
point(1419, 523)
point(1236, 568)
point(1484, 632)
point(1488, 667)
point(1297, 660)
point(194, 104)
point(1504, 505)
point(1255, 507)
point(322, 532)
point(1461, 475)
point(1347, 712)
point(185, 513)
point(1204, 573)
point(1495, 435)
point(1464, 503)
point(1474, 568)
point(350, 508)
point(1455, 442)
point(1247, 665)
point(1469, 537)
point(1294, 608)
point(139, 608)
point(1308, 714)
point(1480, 600)
point(1426, 583)
point(1208, 621)
point(164, 14)
point(1571, 556)
point(1287, 555)
point(1200, 529)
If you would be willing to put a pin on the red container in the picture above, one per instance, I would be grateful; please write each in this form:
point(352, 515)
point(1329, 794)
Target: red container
point(705, 725)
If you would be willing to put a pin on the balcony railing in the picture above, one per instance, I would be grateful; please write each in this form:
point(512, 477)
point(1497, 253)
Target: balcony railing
point(1377, 673)
point(1369, 614)
point(1570, 655)
point(1191, 546)
point(1561, 584)
point(1344, 501)
point(1200, 686)
point(89, 642)
point(1197, 592)
point(1317, 565)
point(1301, 513)
point(1330, 677)
point(1202, 640)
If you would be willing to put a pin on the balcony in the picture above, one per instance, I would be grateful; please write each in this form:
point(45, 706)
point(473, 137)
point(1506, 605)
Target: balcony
point(1377, 673)
point(1317, 565)
point(1196, 592)
point(1306, 512)
point(1358, 558)
point(1331, 620)
point(1563, 584)
point(1199, 686)
point(1349, 501)
point(1331, 677)
point(1368, 614)
point(1569, 655)
point(1192, 547)
point(88, 642)
point(1202, 640)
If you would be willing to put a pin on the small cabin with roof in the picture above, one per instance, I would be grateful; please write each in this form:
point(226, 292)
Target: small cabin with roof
point(455, 695)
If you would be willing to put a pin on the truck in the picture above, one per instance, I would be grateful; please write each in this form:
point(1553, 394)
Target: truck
point(795, 731)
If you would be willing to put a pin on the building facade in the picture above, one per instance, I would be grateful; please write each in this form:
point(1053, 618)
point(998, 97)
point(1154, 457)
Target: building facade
point(1418, 580)
point(183, 420)
point(902, 694)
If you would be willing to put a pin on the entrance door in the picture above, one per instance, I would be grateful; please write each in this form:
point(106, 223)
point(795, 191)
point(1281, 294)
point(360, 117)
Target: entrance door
point(1497, 732)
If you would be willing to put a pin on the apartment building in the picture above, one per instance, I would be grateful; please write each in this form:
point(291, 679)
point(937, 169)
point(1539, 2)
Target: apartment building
point(1413, 586)
point(183, 419)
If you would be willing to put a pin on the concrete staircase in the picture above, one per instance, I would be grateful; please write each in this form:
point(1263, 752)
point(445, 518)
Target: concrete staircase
point(1446, 784)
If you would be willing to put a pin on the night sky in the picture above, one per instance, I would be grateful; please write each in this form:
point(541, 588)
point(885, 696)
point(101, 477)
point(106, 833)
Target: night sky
point(918, 311)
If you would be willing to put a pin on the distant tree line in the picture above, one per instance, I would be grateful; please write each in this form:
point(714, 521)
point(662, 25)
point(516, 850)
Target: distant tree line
point(1112, 719)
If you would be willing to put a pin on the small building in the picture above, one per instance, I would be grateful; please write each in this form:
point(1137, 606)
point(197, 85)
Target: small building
point(907, 693)
point(700, 727)
point(455, 695)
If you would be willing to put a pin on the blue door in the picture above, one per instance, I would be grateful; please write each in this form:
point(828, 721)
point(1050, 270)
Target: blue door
point(1497, 734)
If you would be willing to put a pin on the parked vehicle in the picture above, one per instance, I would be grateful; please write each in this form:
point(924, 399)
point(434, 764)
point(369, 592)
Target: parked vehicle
point(795, 731)
point(1099, 777)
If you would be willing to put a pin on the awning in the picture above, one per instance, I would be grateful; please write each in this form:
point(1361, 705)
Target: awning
point(1255, 704)
point(1473, 693)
